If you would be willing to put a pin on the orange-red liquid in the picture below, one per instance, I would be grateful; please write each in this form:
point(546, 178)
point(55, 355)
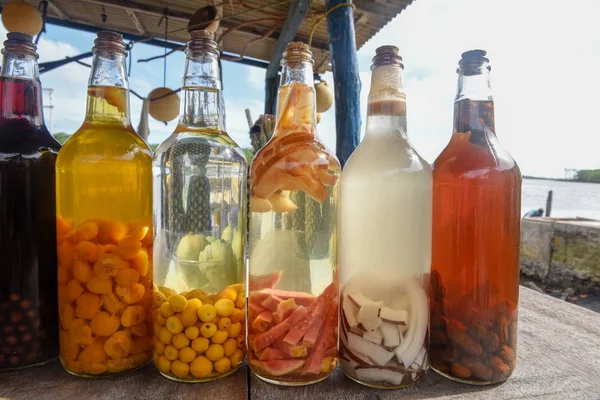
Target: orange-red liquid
point(475, 261)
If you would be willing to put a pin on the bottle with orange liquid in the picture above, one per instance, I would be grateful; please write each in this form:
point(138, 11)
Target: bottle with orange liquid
point(476, 233)
point(293, 282)
point(104, 227)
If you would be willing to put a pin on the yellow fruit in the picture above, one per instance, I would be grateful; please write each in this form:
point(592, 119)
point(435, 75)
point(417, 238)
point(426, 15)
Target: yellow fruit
point(165, 336)
point(99, 285)
point(215, 352)
point(171, 353)
point(230, 346)
point(234, 329)
point(223, 323)
point(178, 303)
point(192, 332)
point(180, 341)
point(166, 310)
point(241, 341)
point(118, 345)
point(88, 305)
point(74, 289)
point(200, 345)
point(236, 316)
point(164, 365)
point(140, 330)
point(223, 365)
point(236, 358)
point(207, 313)
point(127, 277)
point(228, 293)
point(111, 303)
point(174, 325)
point(105, 324)
point(224, 307)
point(187, 354)
point(240, 302)
point(159, 319)
point(93, 354)
point(180, 369)
point(158, 298)
point(201, 367)
point(168, 292)
point(194, 304)
point(219, 337)
point(133, 315)
point(82, 271)
point(208, 329)
point(188, 317)
point(159, 347)
point(196, 294)
point(107, 266)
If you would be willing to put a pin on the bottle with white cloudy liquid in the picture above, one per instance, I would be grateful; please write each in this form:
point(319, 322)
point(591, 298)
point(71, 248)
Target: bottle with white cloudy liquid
point(385, 242)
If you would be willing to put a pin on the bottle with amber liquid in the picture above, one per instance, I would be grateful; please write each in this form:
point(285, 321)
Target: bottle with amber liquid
point(476, 234)
point(293, 282)
point(28, 311)
point(104, 226)
point(200, 220)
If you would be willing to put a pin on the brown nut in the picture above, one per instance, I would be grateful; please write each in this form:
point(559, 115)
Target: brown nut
point(458, 334)
point(490, 342)
point(501, 328)
point(460, 371)
point(478, 369)
point(477, 331)
point(507, 355)
point(449, 354)
point(499, 368)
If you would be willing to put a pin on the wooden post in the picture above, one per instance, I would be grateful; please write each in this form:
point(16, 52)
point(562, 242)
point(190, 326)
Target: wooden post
point(342, 50)
point(549, 204)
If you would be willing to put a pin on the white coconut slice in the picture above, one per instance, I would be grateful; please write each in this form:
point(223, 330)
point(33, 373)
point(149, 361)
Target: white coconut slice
point(409, 349)
point(349, 312)
point(359, 358)
point(368, 315)
point(378, 375)
point(373, 337)
point(378, 354)
point(399, 317)
point(359, 299)
point(418, 363)
point(391, 336)
point(349, 367)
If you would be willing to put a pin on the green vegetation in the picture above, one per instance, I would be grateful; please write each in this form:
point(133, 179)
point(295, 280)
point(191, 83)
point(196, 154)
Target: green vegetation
point(61, 137)
point(588, 175)
point(249, 153)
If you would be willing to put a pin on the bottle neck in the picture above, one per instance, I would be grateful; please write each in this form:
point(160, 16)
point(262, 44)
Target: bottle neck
point(386, 113)
point(474, 105)
point(296, 99)
point(201, 106)
point(474, 84)
point(108, 90)
point(20, 88)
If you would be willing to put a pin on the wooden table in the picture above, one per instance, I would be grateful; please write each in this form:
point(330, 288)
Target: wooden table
point(559, 358)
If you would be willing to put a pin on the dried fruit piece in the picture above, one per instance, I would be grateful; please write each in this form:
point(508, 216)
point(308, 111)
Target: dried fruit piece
point(478, 369)
point(460, 371)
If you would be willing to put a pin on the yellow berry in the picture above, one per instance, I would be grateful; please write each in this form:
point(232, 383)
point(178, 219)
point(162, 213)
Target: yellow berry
point(164, 365)
point(158, 298)
point(187, 354)
point(236, 358)
point(194, 303)
point(215, 352)
point(174, 325)
point(200, 345)
point(208, 301)
point(180, 369)
point(241, 341)
point(159, 319)
point(165, 336)
point(236, 316)
point(207, 313)
point(180, 341)
point(192, 332)
point(240, 302)
point(201, 367)
point(171, 353)
point(223, 323)
point(234, 329)
point(224, 307)
point(208, 329)
point(228, 293)
point(166, 310)
point(219, 337)
point(159, 347)
point(223, 365)
point(195, 294)
point(166, 291)
point(178, 302)
point(188, 317)
point(230, 346)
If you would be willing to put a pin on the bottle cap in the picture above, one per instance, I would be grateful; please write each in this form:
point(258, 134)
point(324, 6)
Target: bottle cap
point(109, 41)
point(297, 52)
point(202, 43)
point(473, 60)
point(20, 42)
point(387, 55)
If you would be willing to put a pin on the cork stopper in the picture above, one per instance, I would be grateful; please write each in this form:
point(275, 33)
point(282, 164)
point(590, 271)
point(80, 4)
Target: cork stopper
point(202, 34)
point(202, 43)
point(387, 55)
point(21, 43)
point(296, 53)
point(109, 41)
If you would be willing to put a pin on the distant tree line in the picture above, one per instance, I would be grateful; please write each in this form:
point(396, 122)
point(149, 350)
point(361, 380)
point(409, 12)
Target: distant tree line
point(588, 175)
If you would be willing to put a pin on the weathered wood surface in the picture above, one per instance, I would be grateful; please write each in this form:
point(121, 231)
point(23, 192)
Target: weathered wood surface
point(559, 358)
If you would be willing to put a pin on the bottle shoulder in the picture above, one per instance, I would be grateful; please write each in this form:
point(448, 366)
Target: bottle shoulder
point(18, 136)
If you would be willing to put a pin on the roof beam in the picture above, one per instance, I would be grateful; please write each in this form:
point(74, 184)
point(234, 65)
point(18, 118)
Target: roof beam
point(136, 21)
point(57, 10)
point(142, 7)
point(379, 8)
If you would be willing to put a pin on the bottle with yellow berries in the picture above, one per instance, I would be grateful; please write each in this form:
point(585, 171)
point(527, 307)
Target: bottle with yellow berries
point(104, 229)
point(200, 225)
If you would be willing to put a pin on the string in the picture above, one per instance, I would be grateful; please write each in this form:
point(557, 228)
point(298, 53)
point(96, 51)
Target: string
point(314, 27)
point(166, 44)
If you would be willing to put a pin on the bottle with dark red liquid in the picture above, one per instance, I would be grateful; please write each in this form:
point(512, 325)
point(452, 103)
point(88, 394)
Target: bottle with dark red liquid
point(28, 274)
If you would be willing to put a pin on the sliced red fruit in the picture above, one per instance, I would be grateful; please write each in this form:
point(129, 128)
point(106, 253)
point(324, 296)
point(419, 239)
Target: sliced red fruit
point(260, 282)
point(271, 303)
point(255, 307)
point(281, 203)
point(313, 364)
point(272, 354)
point(277, 367)
point(262, 322)
point(265, 339)
point(331, 352)
point(284, 310)
point(300, 298)
point(310, 337)
point(292, 351)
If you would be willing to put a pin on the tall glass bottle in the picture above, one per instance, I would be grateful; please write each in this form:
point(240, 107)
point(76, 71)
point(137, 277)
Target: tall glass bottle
point(104, 224)
point(200, 220)
point(385, 242)
point(293, 282)
point(476, 233)
point(28, 311)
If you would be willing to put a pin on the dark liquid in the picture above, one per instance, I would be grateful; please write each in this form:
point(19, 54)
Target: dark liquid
point(28, 284)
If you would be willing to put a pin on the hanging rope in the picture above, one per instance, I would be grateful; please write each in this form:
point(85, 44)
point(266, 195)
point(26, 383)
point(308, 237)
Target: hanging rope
point(332, 9)
point(166, 18)
point(43, 9)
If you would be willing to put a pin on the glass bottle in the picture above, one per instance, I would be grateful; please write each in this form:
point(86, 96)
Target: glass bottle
point(293, 282)
point(104, 225)
point(476, 233)
point(28, 310)
point(200, 220)
point(385, 242)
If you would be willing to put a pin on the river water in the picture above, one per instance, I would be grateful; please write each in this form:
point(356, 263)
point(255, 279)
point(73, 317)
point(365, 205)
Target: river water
point(570, 199)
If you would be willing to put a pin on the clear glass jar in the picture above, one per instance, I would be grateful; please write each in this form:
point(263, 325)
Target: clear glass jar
point(293, 283)
point(476, 235)
point(104, 224)
point(385, 242)
point(200, 222)
point(28, 310)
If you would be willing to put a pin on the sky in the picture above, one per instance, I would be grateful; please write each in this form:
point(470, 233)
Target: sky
point(545, 58)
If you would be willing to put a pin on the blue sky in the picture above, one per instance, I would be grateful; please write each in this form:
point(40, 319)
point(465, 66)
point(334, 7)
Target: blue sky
point(545, 62)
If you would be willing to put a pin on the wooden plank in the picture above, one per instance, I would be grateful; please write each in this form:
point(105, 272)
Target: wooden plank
point(383, 9)
point(558, 358)
point(56, 10)
point(51, 382)
point(136, 21)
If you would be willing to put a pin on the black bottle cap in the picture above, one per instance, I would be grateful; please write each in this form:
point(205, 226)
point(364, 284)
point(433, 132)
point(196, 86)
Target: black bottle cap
point(472, 60)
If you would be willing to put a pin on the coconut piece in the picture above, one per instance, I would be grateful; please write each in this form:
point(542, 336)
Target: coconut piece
point(280, 202)
point(349, 367)
point(400, 302)
point(394, 316)
point(408, 351)
point(373, 336)
point(379, 375)
point(401, 330)
point(368, 315)
point(378, 354)
point(349, 312)
point(358, 358)
point(391, 336)
point(418, 363)
point(359, 299)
